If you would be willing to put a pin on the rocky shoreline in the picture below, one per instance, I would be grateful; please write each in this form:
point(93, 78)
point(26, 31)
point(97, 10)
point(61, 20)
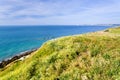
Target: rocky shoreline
point(16, 57)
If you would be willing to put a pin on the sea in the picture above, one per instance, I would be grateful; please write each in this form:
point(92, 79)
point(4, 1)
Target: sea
point(17, 39)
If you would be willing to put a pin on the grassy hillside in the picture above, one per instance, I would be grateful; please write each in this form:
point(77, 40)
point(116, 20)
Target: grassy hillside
point(94, 56)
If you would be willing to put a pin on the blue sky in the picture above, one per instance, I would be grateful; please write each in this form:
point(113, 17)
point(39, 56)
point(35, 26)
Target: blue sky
point(59, 12)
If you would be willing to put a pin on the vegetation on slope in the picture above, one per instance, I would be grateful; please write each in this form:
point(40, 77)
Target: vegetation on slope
point(94, 56)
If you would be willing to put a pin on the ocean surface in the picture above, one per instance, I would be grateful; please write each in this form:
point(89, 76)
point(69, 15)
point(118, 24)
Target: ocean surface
point(17, 39)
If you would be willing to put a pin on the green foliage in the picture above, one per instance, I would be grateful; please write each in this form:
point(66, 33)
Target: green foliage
point(106, 56)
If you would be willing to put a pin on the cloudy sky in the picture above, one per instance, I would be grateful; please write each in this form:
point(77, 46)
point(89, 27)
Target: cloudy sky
point(59, 12)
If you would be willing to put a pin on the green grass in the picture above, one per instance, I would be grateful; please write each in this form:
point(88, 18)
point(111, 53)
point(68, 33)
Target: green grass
point(94, 56)
point(114, 30)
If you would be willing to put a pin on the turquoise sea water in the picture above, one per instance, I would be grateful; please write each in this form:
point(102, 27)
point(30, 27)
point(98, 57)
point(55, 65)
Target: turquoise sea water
point(16, 39)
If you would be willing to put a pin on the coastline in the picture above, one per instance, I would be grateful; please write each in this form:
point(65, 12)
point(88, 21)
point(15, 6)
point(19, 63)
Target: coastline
point(85, 55)
point(20, 56)
point(25, 54)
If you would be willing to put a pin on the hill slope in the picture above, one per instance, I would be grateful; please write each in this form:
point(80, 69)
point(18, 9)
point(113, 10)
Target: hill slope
point(94, 56)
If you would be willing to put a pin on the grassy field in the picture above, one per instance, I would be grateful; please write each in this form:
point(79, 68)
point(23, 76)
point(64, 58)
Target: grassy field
point(91, 56)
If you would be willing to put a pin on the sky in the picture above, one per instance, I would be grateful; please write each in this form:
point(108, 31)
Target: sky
point(59, 12)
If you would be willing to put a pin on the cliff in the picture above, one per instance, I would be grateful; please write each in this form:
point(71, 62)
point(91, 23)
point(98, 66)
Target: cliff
point(91, 56)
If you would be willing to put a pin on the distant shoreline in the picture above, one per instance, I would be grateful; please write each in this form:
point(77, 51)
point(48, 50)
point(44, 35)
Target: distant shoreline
point(16, 57)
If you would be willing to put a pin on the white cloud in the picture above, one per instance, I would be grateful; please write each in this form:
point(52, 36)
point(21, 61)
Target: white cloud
point(59, 11)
